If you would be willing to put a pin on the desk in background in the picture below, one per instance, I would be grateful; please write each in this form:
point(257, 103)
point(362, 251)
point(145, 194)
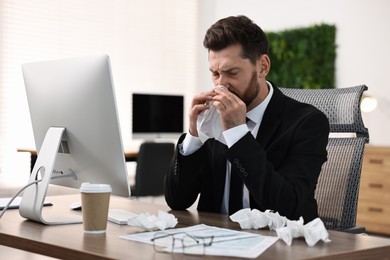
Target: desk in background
point(130, 156)
point(69, 241)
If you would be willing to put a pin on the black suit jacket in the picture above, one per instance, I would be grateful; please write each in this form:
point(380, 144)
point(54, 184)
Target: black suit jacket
point(280, 167)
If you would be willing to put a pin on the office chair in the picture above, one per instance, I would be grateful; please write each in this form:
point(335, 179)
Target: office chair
point(338, 185)
point(152, 164)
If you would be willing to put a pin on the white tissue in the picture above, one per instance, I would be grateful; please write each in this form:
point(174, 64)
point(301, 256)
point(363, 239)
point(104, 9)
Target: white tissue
point(150, 222)
point(313, 231)
point(293, 229)
point(209, 125)
point(255, 219)
point(286, 229)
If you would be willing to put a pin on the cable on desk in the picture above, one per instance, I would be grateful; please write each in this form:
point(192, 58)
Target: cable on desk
point(16, 195)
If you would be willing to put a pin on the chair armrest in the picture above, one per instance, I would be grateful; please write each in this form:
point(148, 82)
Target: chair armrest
point(354, 230)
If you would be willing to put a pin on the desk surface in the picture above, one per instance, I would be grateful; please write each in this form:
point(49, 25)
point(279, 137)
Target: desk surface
point(13, 253)
point(69, 241)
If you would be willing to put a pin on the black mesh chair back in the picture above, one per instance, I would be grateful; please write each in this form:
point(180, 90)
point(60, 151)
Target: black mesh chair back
point(338, 185)
point(152, 164)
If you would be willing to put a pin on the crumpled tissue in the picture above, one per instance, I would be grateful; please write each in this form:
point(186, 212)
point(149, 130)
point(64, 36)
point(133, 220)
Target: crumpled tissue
point(313, 231)
point(151, 222)
point(286, 229)
point(255, 219)
point(209, 124)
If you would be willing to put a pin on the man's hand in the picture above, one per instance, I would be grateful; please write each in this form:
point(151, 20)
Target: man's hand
point(231, 108)
point(199, 104)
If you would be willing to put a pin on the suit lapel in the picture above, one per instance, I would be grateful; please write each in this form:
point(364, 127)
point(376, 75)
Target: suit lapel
point(271, 119)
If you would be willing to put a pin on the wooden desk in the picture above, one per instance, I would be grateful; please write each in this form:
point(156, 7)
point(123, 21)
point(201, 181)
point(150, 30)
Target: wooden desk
point(69, 241)
point(13, 253)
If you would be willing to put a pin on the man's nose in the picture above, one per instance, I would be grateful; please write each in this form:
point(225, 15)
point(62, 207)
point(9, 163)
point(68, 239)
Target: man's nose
point(222, 81)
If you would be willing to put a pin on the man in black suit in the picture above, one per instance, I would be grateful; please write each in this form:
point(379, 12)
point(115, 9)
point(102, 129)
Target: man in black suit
point(271, 163)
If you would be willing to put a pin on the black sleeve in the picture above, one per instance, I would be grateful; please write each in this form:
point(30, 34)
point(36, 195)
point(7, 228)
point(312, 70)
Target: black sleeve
point(182, 181)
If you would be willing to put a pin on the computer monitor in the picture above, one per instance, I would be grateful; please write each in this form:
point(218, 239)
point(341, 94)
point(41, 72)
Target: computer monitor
point(76, 128)
point(157, 116)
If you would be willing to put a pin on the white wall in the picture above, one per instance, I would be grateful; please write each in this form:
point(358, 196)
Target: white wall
point(152, 46)
point(363, 41)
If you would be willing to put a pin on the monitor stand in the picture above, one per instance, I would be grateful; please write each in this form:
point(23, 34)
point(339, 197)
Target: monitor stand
point(34, 195)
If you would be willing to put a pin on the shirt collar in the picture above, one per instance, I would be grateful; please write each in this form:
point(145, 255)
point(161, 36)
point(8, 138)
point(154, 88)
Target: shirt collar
point(256, 114)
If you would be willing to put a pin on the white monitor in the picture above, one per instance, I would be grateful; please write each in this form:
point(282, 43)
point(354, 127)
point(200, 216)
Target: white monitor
point(73, 111)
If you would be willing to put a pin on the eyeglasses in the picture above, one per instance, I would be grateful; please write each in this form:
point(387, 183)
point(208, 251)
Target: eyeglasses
point(181, 242)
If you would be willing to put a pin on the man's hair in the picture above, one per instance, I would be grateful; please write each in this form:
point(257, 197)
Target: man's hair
point(237, 30)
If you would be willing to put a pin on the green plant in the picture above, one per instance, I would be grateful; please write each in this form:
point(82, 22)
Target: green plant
point(303, 57)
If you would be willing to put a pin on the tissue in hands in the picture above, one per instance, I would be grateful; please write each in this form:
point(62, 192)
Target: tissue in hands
point(209, 124)
point(150, 222)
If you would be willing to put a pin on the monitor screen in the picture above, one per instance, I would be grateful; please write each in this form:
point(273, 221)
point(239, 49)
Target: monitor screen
point(157, 116)
point(78, 94)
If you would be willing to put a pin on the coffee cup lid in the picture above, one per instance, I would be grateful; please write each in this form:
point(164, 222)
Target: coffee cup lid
point(94, 188)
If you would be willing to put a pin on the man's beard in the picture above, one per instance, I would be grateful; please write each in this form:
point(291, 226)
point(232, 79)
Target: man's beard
point(252, 90)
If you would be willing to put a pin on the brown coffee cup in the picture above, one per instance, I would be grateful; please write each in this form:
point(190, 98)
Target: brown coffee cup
point(95, 201)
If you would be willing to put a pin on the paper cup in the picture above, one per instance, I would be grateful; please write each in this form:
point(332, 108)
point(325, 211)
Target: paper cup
point(95, 200)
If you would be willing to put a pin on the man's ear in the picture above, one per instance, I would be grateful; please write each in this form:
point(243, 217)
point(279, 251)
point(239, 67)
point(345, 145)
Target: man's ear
point(263, 65)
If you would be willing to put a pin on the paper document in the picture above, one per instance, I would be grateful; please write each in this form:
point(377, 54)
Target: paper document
point(225, 242)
